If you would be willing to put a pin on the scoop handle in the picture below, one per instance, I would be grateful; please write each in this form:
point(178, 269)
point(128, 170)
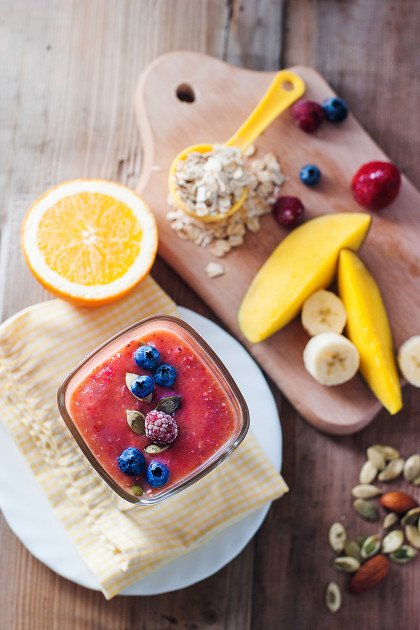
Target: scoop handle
point(284, 90)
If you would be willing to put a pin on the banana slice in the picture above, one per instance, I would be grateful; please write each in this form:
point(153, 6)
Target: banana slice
point(331, 358)
point(322, 312)
point(409, 360)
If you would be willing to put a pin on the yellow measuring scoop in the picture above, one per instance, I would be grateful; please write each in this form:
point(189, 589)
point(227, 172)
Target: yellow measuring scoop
point(283, 91)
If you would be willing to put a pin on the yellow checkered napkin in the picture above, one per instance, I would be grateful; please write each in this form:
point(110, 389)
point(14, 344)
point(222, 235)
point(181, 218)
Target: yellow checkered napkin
point(38, 347)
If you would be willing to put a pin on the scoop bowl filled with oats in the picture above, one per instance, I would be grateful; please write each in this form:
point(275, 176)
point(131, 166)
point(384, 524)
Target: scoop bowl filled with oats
point(210, 181)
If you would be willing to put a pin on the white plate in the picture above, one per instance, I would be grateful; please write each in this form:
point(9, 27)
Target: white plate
point(30, 516)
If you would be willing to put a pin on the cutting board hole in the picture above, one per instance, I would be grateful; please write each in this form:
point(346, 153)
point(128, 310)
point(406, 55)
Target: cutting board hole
point(185, 93)
point(288, 86)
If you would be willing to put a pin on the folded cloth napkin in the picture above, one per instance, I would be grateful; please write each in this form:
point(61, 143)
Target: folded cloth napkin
point(38, 347)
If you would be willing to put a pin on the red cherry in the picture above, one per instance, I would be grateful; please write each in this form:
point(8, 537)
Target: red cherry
point(376, 184)
point(288, 211)
point(307, 115)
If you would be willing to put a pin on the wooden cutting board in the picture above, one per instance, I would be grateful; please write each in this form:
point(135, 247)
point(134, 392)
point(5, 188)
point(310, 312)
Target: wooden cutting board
point(223, 97)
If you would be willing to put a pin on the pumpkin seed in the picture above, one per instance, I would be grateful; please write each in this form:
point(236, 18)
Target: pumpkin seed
point(129, 380)
point(390, 520)
point(352, 549)
point(365, 491)
point(135, 420)
point(389, 452)
point(368, 473)
point(412, 468)
point(376, 457)
point(392, 541)
point(154, 449)
point(411, 517)
point(346, 564)
point(413, 535)
point(137, 490)
point(333, 597)
point(366, 510)
point(169, 404)
point(392, 470)
point(371, 546)
point(404, 554)
point(337, 536)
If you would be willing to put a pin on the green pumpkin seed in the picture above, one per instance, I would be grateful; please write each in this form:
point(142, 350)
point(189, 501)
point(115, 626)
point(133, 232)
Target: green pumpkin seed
point(368, 473)
point(365, 491)
point(376, 457)
point(333, 597)
point(337, 536)
point(135, 420)
point(392, 541)
point(154, 449)
point(413, 535)
point(169, 404)
point(392, 470)
point(137, 490)
point(389, 452)
point(412, 468)
point(411, 517)
point(346, 564)
point(404, 554)
point(129, 380)
point(390, 520)
point(371, 546)
point(367, 510)
point(352, 549)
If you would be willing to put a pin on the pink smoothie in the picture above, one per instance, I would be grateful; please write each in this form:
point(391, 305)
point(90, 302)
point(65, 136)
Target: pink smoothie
point(206, 418)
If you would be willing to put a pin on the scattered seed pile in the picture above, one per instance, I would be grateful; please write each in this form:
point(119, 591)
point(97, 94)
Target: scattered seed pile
point(366, 557)
point(264, 179)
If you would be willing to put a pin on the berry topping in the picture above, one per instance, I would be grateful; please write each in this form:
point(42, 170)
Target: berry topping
point(376, 184)
point(147, 357)
point(288, 211)
point(165, 375)
point(335, 109)
point(160, 427)
point(157, 474)
point(140, 386)
point(131, 461)
point(310, 175)
point(307, 115)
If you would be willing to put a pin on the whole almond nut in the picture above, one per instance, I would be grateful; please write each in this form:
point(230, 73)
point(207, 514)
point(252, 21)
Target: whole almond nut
point(399, 502)
point(370, 574)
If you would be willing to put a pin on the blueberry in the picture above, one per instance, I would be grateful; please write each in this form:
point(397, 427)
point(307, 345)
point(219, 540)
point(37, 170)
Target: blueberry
point(310, 175)
point(157, 474)
point(131, 461)
point(165, 375)
point(147, 357)
point(142, 386)
point(335, 109)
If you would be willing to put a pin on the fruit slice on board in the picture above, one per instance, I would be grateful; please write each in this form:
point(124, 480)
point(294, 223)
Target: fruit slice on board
point(304, 262)
point(368, 328)
point(89, 241)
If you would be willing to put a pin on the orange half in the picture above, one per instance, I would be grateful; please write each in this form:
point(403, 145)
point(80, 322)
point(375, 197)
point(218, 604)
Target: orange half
point(89, 240)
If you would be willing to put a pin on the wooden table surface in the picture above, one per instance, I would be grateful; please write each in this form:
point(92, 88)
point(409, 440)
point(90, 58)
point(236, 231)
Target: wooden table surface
point(68, 71)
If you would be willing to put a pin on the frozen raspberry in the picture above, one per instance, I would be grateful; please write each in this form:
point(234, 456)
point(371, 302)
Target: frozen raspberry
point(160, 427)
point(376, 184)
point(288, 211)
point(307, 115)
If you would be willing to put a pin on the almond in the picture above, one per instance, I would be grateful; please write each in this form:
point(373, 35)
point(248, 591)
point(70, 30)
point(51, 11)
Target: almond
point(399, 502)
point(371, 573)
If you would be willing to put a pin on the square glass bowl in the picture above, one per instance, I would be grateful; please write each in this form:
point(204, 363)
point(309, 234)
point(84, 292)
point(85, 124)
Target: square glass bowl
point(205, 355)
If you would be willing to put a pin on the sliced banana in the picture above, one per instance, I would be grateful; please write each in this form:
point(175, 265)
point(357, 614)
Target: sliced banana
point(322, 312)
point(331, 358)
point(409, 360)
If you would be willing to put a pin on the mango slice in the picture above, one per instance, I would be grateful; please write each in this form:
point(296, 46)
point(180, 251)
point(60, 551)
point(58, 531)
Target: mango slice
point(368, 328)
point(304, 262)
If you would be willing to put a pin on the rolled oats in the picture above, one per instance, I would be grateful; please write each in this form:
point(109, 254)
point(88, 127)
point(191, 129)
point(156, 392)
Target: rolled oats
point(213, 270)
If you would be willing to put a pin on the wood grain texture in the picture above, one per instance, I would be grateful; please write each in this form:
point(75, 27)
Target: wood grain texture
point(68, 72)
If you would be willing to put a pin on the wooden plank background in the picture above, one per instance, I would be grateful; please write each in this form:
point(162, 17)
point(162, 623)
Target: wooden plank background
point(68, 72)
